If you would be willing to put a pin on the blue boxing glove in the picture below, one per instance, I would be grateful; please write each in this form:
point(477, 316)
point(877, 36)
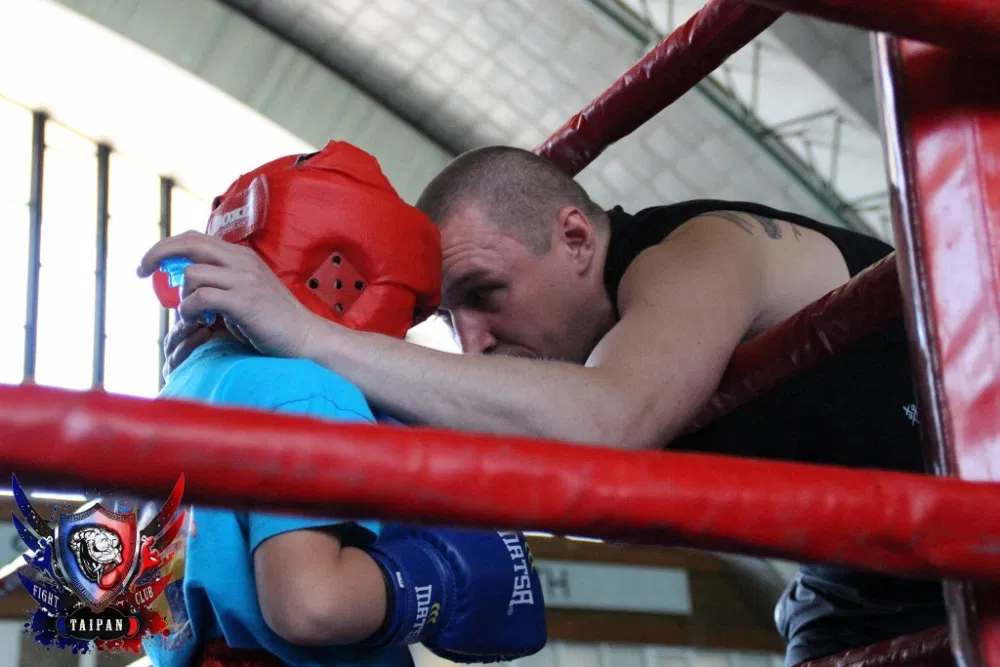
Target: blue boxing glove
point(468, 596)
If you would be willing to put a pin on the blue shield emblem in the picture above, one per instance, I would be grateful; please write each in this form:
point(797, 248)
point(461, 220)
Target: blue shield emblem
point(97, 552)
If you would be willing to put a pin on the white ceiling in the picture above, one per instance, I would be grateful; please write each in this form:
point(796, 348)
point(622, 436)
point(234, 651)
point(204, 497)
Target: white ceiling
point(242, 62)
point(475, 72)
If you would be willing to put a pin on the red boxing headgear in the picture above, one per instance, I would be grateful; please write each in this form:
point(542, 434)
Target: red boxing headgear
point(333, 229)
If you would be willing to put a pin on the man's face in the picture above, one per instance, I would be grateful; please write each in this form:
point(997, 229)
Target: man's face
point(502, 297)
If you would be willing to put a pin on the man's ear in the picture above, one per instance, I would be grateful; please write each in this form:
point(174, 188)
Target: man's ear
point(576, 235)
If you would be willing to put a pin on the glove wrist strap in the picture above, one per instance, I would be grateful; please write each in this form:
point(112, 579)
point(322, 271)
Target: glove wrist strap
point(415, 583)
point(380, 637)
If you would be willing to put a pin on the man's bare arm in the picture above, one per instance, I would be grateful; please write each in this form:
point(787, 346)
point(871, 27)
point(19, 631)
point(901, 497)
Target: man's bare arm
point(685, 305)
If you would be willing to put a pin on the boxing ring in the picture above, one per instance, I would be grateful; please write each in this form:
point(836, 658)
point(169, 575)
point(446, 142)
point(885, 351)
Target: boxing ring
point(940, 109)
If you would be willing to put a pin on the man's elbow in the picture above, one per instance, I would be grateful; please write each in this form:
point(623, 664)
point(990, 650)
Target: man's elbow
point(631, 437)
point(631, 419)
point(625, 424)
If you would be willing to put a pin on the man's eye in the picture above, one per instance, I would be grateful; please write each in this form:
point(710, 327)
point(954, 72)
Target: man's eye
point(481, 297)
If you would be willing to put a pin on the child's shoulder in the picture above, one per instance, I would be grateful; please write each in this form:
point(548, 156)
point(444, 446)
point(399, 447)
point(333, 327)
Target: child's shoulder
point(277, 382)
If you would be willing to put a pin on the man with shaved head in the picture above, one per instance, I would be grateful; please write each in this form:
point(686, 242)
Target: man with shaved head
point(610, 328)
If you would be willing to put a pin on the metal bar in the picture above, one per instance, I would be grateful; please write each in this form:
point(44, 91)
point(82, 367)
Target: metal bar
point(810, 154)
point(646, 14)
point(675, 66)
point(39, 118)
point(755, 74)
point(166, 214)
point(805, 118)
point(876, 206)
point(101, 271)
point(835, 149)
point(863, 200)
point(727, 74)
point(963, 26)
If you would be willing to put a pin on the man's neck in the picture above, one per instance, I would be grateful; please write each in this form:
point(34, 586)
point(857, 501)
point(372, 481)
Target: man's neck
point(606, 308)
point(598, 314)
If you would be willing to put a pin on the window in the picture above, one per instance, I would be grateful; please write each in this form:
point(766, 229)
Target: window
point(68, 254)
point(64, 351)
point(187, 213)
point(132, 319)
point(15, 192)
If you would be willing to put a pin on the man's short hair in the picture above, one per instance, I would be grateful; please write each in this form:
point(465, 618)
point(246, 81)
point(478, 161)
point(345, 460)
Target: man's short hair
point(520, 191)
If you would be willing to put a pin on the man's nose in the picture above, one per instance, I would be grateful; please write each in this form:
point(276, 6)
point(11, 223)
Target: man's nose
point(473, 333)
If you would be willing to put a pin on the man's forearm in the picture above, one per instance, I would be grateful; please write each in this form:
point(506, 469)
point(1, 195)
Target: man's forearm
point(475, 393)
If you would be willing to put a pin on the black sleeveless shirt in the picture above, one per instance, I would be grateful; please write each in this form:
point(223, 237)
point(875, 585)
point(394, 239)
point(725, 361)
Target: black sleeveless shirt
point(856, 410)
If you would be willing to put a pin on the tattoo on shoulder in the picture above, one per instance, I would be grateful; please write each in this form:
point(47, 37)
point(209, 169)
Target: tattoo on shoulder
point(770, 226)
point(738, 219)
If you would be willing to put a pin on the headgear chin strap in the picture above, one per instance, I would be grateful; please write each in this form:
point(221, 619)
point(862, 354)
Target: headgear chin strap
point(335, 232)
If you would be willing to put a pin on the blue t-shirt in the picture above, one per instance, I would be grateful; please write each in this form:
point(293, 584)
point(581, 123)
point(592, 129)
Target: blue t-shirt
point(217, 595)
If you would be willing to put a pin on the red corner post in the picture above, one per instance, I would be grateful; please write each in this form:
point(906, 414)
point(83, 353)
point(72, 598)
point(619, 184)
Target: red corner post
point(964, 26)
point(941, 117)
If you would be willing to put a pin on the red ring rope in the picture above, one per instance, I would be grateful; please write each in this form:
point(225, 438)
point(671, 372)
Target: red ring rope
point(930, 648)
point(821, 330)
point(909, 524)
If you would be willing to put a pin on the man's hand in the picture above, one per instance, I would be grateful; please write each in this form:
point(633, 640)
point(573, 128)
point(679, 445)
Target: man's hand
point(183, 339)
point(235, 283)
